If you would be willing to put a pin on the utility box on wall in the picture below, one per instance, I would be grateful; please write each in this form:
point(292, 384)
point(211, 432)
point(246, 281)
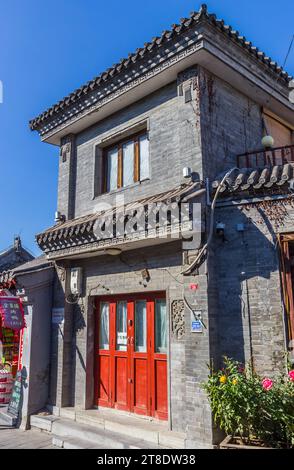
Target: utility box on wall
point(76, 281)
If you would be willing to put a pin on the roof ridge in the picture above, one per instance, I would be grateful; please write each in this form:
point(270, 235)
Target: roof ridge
point(157, 41)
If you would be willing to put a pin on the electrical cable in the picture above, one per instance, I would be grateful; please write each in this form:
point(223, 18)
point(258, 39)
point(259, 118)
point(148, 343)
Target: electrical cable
point(205, 247)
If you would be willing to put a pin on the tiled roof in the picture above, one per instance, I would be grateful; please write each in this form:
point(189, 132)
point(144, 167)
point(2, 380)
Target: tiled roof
point(257, 180)
point(157, 42)
point(83, 226)
point(36, 263)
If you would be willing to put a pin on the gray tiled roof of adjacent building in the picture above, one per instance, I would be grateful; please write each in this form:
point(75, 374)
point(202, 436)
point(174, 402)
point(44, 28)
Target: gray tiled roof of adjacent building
point(37, 263)
point(157, 42)
point(257, 180)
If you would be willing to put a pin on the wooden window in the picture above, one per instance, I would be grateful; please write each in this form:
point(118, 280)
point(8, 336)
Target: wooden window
point(126, 162)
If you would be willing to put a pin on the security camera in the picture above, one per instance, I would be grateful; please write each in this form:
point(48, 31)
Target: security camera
point(220, 229)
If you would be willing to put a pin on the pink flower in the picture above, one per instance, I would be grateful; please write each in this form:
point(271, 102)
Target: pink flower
point(291, 375)
point(267, 384)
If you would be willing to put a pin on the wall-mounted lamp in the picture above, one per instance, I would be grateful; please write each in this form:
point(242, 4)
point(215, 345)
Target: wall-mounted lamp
point(268, 141)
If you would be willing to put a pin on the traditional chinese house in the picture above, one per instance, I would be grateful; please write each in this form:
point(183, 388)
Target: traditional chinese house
point(196, 123)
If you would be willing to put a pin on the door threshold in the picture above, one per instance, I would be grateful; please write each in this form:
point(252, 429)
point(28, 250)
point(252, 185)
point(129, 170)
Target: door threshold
point(115, 412)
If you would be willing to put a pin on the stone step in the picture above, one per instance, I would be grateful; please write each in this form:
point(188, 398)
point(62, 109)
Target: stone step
point(6, 418)
point(128, 425)
point(69, 434)
point(128, 430)
point(43, 423)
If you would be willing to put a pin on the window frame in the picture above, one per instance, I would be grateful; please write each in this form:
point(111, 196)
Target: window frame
point(119, 145)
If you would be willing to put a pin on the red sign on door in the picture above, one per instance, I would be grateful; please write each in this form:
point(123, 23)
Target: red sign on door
point(12, 313)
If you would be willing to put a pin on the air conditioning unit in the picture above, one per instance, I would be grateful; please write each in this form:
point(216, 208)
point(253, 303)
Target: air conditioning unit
point(76, 281)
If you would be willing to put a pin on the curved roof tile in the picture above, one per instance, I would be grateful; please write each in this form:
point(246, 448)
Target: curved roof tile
point(257, 180)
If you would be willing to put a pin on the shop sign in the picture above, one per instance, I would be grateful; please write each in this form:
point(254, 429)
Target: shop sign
point(12, 313)
point(16, 396)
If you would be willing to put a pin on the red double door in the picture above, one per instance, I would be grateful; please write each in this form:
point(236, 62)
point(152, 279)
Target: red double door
point(131, 354)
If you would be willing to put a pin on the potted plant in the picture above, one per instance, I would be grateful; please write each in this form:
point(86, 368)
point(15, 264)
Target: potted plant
point(252, 410)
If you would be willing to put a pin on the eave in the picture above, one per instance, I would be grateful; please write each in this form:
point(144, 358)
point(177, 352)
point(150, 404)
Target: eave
point(204, 53)
point(79, 237)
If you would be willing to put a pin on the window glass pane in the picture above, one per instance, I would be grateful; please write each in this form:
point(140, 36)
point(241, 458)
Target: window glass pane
point(112, 169)
point(104, 326)
point(160, 326)
point(128, 163)
point(144, 157)
point(140, 326)
point(121, 326)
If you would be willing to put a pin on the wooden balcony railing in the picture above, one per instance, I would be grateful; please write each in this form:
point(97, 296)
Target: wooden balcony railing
point(268, 157)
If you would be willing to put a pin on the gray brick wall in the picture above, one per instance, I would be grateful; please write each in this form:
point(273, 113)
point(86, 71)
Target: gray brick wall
point(250, 312)
point(230, 124)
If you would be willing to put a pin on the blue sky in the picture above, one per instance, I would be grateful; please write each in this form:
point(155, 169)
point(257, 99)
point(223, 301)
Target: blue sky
point(50, 47)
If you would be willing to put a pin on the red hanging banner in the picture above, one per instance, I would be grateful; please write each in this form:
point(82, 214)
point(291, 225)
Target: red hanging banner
point(12, 314)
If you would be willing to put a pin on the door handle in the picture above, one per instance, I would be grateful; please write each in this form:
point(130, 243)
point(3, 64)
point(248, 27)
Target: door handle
point(130, 381)
point(132, 340)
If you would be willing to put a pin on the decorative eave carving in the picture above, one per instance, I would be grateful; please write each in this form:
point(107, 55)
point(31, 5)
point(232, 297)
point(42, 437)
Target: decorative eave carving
point(90, 233)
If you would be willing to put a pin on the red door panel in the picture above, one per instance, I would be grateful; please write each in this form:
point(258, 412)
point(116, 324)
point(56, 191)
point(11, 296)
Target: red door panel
point(160, 392)
point(121, 382)
point(131, 364)
point(140, 386)
point(104, 381)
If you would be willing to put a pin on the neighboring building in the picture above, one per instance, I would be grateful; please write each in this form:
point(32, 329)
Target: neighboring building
point(145, 315)
point(33, 282)
point(14, 256)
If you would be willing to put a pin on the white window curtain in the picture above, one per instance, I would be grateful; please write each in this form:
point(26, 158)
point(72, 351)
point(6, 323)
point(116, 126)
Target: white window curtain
point(140, 326)
point(121, 326)
point(112, 156)
point(104, 326)
point(128, 163)
point(160, 326)
point(144, 157)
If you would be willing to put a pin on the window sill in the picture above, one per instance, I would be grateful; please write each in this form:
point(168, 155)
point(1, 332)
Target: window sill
point(125, 188)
